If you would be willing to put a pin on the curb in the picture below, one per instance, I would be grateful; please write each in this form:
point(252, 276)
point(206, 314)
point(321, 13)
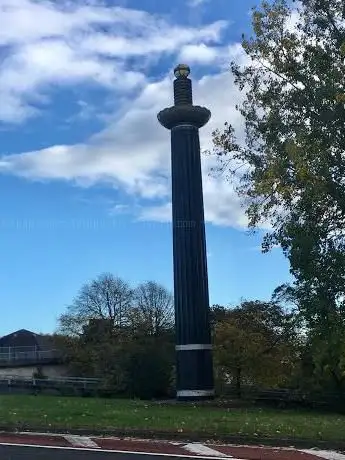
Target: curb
point(177, 436)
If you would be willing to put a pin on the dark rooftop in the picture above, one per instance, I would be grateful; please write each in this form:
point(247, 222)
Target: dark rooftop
point(25, 338)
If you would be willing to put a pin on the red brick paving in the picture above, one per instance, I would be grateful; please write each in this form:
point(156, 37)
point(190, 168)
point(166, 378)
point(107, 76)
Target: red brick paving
point(160, 447)
point(36, 440)
point(140, 446)
point(262, 453)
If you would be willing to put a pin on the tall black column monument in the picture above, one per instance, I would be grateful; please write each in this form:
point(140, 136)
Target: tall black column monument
point(194, 378)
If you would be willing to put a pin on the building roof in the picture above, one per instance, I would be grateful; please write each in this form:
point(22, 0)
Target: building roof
point(24, 338)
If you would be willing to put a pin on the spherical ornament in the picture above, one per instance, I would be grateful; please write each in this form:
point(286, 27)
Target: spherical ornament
point(182, 71)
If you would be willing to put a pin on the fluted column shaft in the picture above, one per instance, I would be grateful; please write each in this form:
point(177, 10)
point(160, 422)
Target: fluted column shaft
point(194, 377)
point(193, 338)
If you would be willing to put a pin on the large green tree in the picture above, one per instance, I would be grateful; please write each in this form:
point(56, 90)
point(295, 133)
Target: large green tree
point(255, 343)
point(290, 166)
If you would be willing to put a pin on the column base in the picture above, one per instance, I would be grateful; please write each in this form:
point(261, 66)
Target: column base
point(194, 372)
point(195, 395)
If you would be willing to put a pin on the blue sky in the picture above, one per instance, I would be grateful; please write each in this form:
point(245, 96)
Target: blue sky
point(84, 163)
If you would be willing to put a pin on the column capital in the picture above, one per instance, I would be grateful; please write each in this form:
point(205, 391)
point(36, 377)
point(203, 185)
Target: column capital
point(184, 114)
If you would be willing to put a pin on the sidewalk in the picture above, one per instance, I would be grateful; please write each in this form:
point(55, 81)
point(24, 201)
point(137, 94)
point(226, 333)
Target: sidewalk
point(166, 448)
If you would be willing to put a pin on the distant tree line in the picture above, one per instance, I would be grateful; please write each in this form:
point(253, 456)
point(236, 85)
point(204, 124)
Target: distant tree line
point(122, 335)
point(125, 337)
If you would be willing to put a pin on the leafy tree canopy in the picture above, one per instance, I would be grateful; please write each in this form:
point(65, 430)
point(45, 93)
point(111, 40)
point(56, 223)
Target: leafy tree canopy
point(290, 166)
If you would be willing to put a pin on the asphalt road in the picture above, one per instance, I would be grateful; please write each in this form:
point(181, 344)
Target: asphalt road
point(35, 453)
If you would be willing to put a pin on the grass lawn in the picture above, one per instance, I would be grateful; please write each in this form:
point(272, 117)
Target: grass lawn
point(68, 413)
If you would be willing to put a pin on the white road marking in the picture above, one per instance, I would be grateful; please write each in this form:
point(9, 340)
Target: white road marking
point(201, 449)
point(34, 433)
point(326, 454)
point(152, 454)
point(81, 441)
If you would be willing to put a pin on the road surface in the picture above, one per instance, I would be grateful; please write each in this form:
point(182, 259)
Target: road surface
point(30, 446)
point(34, 453)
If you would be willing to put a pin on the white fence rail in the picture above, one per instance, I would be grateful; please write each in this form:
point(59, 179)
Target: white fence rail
point(61, 383)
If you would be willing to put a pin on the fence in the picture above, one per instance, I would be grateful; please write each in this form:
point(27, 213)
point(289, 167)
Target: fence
point(30, 354)
point(76, 386)
point(286, 397)
point(64, 386)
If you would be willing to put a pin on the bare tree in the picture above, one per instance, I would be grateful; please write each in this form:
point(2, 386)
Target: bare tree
point(105, 298)
point(153, 311)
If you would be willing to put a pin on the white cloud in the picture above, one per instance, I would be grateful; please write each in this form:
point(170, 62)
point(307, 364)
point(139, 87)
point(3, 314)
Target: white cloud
point(133, 152)
point(65, 43)
point(120, 209)
point(222, 206)
point(154, 41)
point(196, 3)
point(129, 153)
point(208, 54)
point(200, 53)
point(160, 213)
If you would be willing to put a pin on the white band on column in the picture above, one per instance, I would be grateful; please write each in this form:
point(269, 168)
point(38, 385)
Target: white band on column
point(194, 393)
point(193, 346)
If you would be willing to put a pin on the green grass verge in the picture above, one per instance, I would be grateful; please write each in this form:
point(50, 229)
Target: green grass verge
point(106, 414)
